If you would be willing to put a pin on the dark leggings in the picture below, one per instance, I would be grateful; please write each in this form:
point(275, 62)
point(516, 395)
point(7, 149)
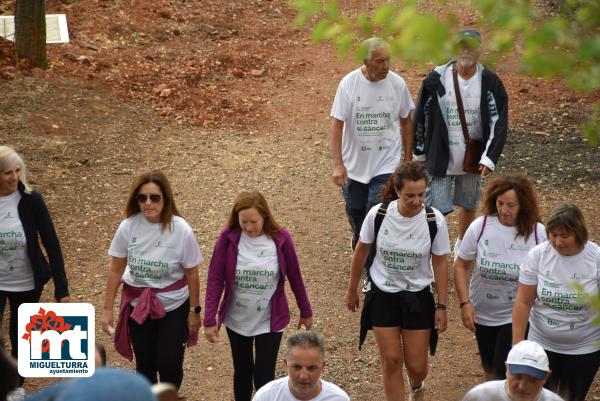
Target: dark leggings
point(246, 367)
point(494, 343)
point(15, 299)
point(572, 375)
point(159, 345)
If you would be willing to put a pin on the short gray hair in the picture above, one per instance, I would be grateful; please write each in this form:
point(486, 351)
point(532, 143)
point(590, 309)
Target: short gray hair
point(372, 44)
point(8, 157)
point(305, 339)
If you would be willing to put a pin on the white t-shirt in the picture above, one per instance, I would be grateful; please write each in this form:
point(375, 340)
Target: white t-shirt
point(560, 321)
point(403, 248)
point(279, 390)
point(470, 91)
point(371, 143)
point(495, 390)
point(256, 277)
point(156, 259)
point(16, 273)
point(498, 256)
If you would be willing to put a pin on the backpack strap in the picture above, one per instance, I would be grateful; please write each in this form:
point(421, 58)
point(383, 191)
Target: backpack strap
point(431, 223)
point(537, 240)
point(381, 212)
point(483, 228)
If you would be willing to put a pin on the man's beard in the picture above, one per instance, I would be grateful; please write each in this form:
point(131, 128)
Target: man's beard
point(467, 61)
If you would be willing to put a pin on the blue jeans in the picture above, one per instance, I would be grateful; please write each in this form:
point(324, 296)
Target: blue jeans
point(360, 198)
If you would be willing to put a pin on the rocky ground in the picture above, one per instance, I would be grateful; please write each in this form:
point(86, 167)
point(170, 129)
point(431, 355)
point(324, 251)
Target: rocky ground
point(227, 96)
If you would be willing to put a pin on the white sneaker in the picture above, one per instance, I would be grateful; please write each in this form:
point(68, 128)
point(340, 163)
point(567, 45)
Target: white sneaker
point(17, 394)
point(417, 394)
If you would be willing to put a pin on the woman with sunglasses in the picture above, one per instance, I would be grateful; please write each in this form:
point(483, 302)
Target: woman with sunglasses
point(156, 255)
point(251, 261)
point(24, 269)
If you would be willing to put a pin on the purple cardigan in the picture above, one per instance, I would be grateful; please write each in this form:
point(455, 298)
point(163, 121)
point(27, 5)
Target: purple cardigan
point(221, 275)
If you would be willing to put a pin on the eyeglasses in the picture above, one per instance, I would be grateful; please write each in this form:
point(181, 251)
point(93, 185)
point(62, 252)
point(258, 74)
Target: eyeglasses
point(143, 198)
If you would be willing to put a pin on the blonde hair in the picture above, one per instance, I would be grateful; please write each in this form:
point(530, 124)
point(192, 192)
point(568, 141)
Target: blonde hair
point(8, 157)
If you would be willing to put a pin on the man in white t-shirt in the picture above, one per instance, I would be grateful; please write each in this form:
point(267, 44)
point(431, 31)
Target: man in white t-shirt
point(371, 126)
point(527, 369)
point(305, 360)
point(439, 140)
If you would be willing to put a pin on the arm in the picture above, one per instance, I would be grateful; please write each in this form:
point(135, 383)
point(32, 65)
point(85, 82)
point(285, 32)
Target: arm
point(440, 272)
point(340, 175)
point(406, 131)
point(53, 250)
point(525, 298)
point(194, 321)
point(358, 262)
point(215, 284)
point(113, 280)
point(294, 276)
point(462, 270)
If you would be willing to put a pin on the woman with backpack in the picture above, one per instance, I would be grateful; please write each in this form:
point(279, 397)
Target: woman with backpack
point(399, 305)
point(491, 252)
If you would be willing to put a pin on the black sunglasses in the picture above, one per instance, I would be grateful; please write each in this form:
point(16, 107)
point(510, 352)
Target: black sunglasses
point(154, 198)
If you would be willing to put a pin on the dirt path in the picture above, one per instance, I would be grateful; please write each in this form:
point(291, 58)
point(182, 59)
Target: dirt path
point(84, 139)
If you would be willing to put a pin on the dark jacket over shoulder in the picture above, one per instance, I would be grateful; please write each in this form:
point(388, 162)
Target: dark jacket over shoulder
point(431, 130)
point(37, 225)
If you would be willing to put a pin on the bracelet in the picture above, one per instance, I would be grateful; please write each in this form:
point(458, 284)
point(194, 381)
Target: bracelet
point(441, 306)
point(468, 301)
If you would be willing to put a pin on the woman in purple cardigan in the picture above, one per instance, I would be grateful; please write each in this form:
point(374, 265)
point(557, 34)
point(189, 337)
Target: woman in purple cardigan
point(250, 262)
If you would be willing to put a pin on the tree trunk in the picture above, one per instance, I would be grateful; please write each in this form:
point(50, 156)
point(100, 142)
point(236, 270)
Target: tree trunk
point(30, 31)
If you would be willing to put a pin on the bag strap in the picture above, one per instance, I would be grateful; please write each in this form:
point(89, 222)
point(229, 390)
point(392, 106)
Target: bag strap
point(381, 212)
point(431, 223)
point(459, 104)
point(537, 240)
point(482, 227)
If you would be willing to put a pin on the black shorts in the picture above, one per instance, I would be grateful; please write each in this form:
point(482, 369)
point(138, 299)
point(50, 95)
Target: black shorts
point(494, 343)
point(404, 309)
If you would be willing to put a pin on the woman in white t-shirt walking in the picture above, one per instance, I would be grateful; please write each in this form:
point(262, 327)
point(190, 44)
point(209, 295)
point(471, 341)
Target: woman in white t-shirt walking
point(498, 243)
point(252, 258)
point(552, 281)
point(399, 305)
point(25, 225)
point(156, 255)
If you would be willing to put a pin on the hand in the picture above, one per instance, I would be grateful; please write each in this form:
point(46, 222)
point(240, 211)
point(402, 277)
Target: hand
point(484, 170)
point(307, 322)
point(194, 323)
point(468, 317)
point(211, 333)
point(65, 300)
point(441, 320)
point(107, 320)
point(351, 299)
point(340, 175)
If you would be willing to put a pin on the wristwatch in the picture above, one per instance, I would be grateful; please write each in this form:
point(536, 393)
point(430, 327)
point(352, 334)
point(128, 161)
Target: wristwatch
point(196, 309)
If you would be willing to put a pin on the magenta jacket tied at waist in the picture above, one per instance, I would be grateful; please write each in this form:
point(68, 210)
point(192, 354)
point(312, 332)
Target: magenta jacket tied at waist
point(221, 275)
point(147, 305)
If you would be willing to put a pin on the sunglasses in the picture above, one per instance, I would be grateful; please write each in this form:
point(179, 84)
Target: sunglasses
point(143, 198)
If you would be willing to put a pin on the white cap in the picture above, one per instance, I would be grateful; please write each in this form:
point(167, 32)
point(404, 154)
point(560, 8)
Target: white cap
point(529, 358)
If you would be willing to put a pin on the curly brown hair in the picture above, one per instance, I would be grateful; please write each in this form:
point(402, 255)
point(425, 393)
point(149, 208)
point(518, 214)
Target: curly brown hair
point(529, 213)
point(411, 171)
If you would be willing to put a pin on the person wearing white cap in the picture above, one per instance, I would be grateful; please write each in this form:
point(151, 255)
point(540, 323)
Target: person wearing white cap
point(527, 369)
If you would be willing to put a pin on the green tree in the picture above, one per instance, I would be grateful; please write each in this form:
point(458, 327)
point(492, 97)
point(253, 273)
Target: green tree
point(565, 45)
point(30, 31)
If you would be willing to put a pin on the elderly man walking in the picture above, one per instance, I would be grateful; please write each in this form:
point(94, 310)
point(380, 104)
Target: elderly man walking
point(461, 122)
point(371, 125)
point(305, 360)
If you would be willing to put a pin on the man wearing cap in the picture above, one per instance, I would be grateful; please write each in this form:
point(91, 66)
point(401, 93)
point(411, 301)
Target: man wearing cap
point(439, 139)
point(527, 369)
point(371, 127)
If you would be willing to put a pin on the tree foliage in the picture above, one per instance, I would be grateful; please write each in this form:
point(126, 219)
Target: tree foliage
point(565, 45)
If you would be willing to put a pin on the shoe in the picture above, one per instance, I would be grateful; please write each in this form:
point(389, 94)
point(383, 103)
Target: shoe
point(417, 394)
point(17, 394)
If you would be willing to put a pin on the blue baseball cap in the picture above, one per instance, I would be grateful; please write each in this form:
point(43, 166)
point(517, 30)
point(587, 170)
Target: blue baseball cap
point(470, 36)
